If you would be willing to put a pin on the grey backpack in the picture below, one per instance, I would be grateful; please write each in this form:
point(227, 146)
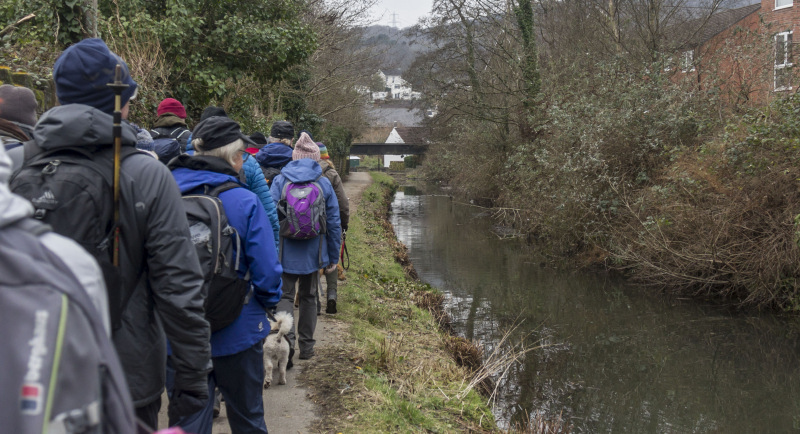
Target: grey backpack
point(61, 373)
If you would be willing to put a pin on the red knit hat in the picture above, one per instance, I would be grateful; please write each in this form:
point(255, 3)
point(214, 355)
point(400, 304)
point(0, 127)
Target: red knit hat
point(172, 105)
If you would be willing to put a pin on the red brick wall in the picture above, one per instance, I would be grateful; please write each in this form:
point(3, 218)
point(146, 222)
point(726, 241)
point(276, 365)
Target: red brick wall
point(739, 61)
point(781, 20)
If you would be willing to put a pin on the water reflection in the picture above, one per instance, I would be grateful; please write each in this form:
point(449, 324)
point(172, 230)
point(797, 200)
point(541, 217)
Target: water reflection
point(618, 359)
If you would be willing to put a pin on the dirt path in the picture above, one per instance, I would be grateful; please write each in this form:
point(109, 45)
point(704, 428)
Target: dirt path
point(288, 408)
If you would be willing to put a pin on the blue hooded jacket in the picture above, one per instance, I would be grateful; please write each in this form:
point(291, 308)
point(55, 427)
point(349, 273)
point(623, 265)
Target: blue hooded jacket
point(247, 216)
point(274, 155)
point(258, 185)
point(302, 256)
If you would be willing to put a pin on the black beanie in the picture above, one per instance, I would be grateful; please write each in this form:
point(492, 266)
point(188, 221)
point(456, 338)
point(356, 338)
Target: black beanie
point(282, 130)
point(213, 111)
point(218, 131)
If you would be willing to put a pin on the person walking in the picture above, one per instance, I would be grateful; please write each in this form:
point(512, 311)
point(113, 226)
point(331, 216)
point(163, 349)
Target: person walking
point(278, 152)
point(171, 122)
point(17, 118)
point(302, 258)
point(158, 293)
point(17, 114)
point(236, 349)
point(331, 278)
point(251, 174)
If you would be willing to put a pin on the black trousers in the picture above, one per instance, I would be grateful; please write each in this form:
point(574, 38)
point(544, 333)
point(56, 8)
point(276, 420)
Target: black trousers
point(148, 414)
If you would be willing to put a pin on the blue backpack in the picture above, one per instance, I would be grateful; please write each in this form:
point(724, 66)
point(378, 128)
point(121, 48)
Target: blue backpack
point(166, 148)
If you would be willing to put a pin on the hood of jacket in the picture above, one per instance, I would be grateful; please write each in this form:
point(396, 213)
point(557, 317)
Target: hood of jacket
point(326, 165)
point(193, 171)
point(302, 170)
point(274, 155)
point(79, 125)
point(12, 207)
point(169, 120)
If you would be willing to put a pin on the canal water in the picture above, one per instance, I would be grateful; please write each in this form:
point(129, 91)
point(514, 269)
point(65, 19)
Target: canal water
point(613, 357)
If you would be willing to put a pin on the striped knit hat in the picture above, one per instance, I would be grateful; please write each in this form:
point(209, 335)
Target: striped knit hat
point(305, 148)
point(323, 151)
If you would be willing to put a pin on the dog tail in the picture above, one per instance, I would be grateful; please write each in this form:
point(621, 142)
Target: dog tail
point(285, 322)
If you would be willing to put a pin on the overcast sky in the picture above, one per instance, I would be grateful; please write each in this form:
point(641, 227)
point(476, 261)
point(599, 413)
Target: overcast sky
point(408, 12)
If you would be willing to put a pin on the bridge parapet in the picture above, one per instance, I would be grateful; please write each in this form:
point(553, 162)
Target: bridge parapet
point(388, 149)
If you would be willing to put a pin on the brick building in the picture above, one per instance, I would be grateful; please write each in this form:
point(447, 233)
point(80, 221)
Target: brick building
point(744, 53)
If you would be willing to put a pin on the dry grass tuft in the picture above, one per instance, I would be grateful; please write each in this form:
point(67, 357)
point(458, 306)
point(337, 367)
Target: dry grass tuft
point(466, 353)
point(538, 424)
point(433, 302)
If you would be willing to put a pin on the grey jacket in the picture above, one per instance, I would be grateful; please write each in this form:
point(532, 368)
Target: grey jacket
point(157, 261)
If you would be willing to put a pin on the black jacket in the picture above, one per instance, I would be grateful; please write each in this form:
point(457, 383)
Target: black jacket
point(167, 300)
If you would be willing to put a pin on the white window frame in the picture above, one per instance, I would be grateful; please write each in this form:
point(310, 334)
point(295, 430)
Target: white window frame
point(788, 4)
point(668, 64)
point(785, 63)
point(687, 61)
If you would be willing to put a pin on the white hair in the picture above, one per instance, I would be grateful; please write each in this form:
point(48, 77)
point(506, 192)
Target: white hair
point(229, 152)
point(287, 142)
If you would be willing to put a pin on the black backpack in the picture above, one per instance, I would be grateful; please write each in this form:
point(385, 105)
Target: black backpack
point(270, 173)
point(179, 133)
point(71, 190)
point(226, 293)
point(61, 372)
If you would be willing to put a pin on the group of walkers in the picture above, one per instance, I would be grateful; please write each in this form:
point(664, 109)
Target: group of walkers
point(142, 268)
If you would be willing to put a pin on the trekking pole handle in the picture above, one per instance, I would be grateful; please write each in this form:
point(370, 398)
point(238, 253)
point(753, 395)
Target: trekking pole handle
point(118, 87)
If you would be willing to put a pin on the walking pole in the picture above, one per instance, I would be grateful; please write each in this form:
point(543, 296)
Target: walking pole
point(117, 86)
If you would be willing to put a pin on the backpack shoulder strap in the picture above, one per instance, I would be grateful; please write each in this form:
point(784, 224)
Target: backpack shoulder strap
point(177, 133)
point(285, 188)
point(223, 188)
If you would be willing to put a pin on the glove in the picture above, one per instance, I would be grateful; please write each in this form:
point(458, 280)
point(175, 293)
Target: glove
point(184, 403)
point(330, 269)
point(344, 228)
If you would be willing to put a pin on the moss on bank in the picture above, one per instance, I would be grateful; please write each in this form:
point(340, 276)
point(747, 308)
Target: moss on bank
point(392, 371)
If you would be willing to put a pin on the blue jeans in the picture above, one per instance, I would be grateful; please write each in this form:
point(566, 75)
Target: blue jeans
point(240, 379)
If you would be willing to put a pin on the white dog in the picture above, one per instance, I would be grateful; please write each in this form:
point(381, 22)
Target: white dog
point(276, 348)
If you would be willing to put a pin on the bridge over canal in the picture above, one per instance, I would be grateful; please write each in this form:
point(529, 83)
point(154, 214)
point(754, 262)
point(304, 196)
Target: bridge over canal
point(388, 148)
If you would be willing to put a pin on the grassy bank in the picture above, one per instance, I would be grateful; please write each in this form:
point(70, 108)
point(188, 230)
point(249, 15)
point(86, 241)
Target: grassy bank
point(392, 371)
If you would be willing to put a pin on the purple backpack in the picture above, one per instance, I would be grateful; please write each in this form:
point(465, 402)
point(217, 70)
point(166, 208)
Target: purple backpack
point(301, 210)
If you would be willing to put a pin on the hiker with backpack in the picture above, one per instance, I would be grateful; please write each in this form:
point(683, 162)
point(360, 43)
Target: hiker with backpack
point(311, 235)
point(251, 174)
point(331, 280)
point(170, 125)
point(155, 293)
point(49, 285)
point(211, 176)
point(278, 152)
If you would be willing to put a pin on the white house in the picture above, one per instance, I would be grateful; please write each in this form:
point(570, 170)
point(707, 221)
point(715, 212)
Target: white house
point(394, 137)
point(398, 88)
